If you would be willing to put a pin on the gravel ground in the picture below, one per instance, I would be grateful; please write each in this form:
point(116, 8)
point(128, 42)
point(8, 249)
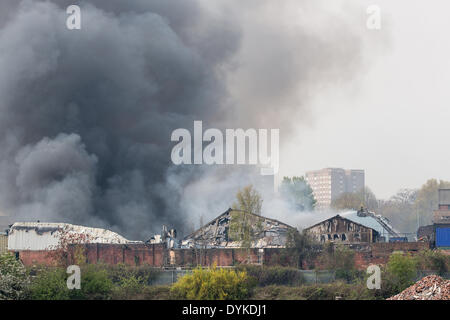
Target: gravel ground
point(429, 288)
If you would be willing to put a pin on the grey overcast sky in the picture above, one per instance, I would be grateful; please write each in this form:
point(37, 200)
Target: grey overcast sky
point(393, 120)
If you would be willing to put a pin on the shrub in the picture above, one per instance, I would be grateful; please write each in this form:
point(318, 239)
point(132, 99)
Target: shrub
point(129, 287)
point(433, 260)
point(156, 292)
point(146, 274)
point(213, 284)
point(95, 283)
point(14, 278)
point(329, 291)
point(400, 273)
point(340, 259)
point(50, 284)
point(302, 247)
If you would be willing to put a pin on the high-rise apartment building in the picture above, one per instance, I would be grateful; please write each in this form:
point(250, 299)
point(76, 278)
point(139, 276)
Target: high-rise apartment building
point(329, 183)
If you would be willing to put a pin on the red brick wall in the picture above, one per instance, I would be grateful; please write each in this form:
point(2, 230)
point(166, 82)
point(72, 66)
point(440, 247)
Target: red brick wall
point(379, 252)
point(133, 254)
point(365, 255)
point(129, 254)
point(208, 257)
point(156, 254)
point(30, 258)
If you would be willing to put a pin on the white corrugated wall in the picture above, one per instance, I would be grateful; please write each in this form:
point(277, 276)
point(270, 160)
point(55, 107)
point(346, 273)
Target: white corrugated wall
point(30, 240)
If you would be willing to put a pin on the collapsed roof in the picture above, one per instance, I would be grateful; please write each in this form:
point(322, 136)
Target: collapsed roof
point(340, 229)
point(266, 232)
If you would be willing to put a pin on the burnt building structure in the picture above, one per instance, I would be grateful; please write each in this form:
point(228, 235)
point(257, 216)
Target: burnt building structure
point(341, 230)
point(37, 244)
point(218, 233)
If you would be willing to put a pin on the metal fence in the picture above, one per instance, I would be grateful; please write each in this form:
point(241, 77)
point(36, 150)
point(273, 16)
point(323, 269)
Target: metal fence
point(166, 277)
point(171, 276)
point(322, 276)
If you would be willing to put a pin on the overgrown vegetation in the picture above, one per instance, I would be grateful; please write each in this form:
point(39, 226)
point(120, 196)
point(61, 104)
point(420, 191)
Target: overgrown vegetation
point(14, 277)
point(245, 224)
point(402, 269)
point(248, 200)
point(341, 260)
point(213, 284)
point(301, 247)
point(98, 282)
point(297, 193)
point(244, 228)
point(50, 284)
point(242, 282)
point(330, 291)
point(265, 276)
point(433, 260)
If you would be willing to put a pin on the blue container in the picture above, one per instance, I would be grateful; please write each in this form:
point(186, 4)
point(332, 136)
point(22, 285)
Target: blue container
point(398, 239)
point(442, 237)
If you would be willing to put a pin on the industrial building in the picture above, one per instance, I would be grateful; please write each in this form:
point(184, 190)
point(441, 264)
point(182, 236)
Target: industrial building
point(37, 236)
point(35, 244)
point(438, 233)
point(266, 232)
point(441, 220)
point(338, 229)
point(329, 183)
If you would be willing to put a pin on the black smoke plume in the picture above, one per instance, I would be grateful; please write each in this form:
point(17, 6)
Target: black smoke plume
point(86, 115)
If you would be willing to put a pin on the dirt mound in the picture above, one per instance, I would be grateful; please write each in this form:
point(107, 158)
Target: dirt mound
point(429, 288)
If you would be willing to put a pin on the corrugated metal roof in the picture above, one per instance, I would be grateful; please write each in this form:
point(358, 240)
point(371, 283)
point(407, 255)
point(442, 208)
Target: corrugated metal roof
point(366, 221)
point(46, 236)
point(350, 215)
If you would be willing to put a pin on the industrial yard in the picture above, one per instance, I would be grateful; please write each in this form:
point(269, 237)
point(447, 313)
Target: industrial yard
point(239, 150)
point(283, 262)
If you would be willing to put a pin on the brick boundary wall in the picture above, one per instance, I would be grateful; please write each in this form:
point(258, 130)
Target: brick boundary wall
point(157, 255)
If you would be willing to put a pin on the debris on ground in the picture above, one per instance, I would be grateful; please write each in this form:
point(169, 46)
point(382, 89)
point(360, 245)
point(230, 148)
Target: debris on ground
point(429, 288)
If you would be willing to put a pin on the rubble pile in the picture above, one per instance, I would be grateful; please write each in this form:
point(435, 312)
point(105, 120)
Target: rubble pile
point(429, 288)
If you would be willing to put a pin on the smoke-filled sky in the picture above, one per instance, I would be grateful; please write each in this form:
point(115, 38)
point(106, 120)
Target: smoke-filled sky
point(395, 124)
point(86, 115)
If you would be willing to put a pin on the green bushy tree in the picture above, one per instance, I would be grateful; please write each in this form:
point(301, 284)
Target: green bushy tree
point(297, 192)
point(433, 260)
point(340, 259)
point(213, 284)
point(14, 278)
point(51, 284)
point(400, 272)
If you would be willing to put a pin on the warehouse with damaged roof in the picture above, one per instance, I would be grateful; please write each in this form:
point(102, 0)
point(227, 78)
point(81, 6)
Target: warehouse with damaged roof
point(267, 232)
point(213, 243)
point(342, 230)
